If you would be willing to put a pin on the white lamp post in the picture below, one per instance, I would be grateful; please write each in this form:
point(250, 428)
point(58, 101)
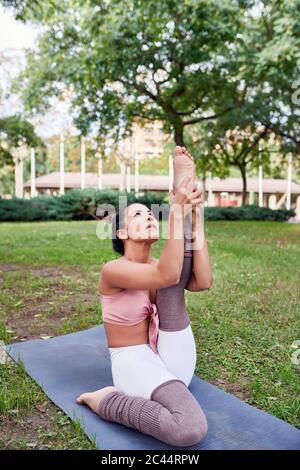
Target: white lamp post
point(136, 165)
point(32, 173)
point(82, 162)
point(128, 185)
point(210, 191)
point(260, 179)
point(100, 170)
point(122, 179)
point(19, 155)
point(289, 182)
point(61, 165)
point(136, 175)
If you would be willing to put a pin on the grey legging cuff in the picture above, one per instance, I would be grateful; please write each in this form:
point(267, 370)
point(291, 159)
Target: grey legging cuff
point(172, 415)
point(170, 300)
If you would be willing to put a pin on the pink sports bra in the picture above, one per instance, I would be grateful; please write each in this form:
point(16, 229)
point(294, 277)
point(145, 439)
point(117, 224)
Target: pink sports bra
point(130, 307)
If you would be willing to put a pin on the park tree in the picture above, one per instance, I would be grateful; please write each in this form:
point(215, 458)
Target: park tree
point(271, 72)
point(123, 59)
point(207, 162)
point(268, 68)
point(241, 148)
point(15, 131)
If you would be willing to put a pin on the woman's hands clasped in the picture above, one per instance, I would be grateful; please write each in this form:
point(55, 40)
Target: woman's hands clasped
point(187, 195)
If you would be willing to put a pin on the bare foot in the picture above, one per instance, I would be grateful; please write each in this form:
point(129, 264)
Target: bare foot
point(183, 165)
point(92, 399)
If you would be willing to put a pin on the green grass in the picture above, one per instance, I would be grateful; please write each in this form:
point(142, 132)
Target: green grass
point(244, 325)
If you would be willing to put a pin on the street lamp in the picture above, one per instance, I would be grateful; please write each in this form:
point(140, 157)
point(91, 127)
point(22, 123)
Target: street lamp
point(19, 154)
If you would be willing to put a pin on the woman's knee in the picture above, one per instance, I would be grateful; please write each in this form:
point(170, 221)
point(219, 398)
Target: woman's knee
point(189, 430)
point(182, 420)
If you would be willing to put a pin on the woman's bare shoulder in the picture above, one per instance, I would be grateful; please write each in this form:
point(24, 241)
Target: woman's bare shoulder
point(112, 264)
point(104, 287)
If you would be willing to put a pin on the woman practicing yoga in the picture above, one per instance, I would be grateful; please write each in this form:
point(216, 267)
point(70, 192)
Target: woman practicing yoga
point(150, 339)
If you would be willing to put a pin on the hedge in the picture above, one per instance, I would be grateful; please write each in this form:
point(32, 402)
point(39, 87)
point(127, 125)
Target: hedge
point(78, 204)
point(247, 213)
point(75, 204)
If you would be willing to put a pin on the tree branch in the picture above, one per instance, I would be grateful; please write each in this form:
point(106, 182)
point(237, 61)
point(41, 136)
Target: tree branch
point(187, 113)
point(206, 118)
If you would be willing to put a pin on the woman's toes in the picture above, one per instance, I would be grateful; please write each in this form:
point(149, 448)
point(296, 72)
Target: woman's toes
point(81, 399)
point(92, 399)
point(183, 165)
point(177, 151)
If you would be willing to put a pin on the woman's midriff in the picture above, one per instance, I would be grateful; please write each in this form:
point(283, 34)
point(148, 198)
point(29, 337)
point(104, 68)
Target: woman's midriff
point(123, 335)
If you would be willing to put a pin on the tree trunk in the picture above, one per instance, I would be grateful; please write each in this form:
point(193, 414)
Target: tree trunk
point(244, 178)
point(204, 181)
point(178, 134)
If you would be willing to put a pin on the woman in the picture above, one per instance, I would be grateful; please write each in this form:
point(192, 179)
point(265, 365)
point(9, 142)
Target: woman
point(150, 339)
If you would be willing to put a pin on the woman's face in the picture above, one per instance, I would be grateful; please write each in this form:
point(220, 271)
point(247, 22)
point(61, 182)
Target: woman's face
point(140, 223)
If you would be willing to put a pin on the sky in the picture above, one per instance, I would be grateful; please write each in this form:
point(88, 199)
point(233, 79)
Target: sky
point(15, 34)
point(15, 38)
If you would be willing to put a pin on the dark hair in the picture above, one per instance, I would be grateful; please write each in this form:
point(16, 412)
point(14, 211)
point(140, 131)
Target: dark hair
point(117, 243)
point(118, 223)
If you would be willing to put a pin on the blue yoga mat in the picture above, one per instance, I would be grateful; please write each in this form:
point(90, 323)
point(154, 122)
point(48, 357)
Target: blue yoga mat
point(68, 365)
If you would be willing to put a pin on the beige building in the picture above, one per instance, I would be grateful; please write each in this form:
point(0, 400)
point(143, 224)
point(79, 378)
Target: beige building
point(146, 141)
point(226, 192)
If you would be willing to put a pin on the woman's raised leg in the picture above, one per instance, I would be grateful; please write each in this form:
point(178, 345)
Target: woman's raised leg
point(176, 344)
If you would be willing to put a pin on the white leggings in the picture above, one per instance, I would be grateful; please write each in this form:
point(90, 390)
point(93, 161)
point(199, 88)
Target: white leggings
point(137, 370)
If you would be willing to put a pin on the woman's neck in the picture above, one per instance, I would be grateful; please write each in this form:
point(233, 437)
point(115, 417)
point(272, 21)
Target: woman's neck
point(138, 252)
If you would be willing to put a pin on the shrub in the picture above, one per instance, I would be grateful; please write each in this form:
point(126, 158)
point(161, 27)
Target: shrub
point(247, 213)
point(75, 204)
point(78, 204)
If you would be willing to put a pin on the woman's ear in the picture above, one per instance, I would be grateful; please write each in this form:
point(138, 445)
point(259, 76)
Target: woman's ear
point(122, 234)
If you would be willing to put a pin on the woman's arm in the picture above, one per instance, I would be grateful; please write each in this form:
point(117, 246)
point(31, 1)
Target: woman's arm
point(131, 275)
point(201, 278)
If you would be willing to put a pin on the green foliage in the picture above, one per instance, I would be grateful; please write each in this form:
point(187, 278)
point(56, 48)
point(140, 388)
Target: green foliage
point(217, 65)
point(75, 204)
point(15, 131)
point(132, 58)
point(251, 212)
point(79, 204)
point(271, 70)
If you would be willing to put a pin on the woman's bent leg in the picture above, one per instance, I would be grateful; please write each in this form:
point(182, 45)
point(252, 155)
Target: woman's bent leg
point(151, 399)
point(172, 415)
point(137, 370)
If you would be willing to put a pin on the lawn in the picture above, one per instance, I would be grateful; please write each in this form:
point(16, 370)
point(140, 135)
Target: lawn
point(244, 325)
